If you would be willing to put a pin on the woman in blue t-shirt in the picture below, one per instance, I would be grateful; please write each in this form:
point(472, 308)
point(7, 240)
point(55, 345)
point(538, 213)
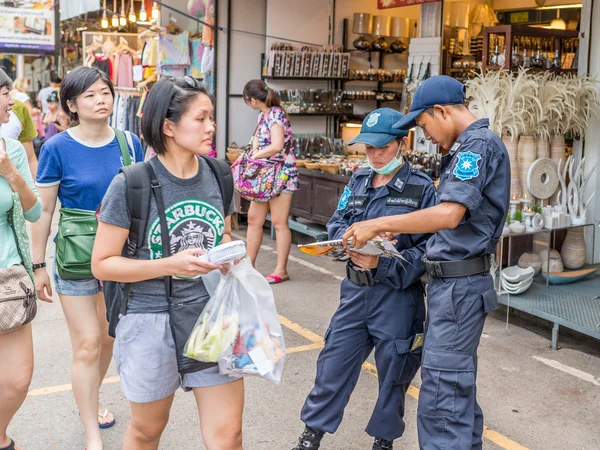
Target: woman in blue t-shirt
point(77, 166)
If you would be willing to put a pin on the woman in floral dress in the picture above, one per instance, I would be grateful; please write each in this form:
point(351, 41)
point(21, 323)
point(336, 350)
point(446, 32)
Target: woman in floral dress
point(272, 140)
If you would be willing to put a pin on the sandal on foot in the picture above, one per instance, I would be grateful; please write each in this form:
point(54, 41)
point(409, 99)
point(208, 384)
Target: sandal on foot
point(276, 279)
point(11, 446)
point(104, 426)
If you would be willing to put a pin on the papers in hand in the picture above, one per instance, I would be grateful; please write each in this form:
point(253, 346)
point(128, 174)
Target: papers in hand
point(376, 247)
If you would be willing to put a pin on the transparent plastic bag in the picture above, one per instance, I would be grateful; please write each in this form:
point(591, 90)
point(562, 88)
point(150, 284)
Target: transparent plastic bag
point(218, 325)
point(259, 348)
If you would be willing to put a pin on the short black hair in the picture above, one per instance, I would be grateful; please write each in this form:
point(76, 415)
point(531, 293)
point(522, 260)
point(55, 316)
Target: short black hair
point(5, 81)
point(431, 111)
point(55, 79)
point(169, 99)
point(77, 82)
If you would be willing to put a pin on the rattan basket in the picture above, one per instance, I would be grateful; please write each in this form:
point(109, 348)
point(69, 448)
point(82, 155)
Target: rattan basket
point(330, 168)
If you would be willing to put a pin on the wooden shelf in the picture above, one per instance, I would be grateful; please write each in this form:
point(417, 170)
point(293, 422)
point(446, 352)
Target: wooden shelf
point(510, 31)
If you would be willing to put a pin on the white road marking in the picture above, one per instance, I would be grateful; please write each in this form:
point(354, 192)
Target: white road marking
point(570, 370)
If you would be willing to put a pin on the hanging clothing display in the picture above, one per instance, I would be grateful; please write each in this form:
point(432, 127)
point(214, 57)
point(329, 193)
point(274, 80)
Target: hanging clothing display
point(124, 69)
point(208, 33)
point(174, 53)
point(102, 62)
point(208, 60)
point(150, 53)
point(197, 51)
point(125, 113)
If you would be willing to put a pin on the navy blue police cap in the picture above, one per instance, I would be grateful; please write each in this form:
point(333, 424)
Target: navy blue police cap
point(378, 128)
point(438, 90)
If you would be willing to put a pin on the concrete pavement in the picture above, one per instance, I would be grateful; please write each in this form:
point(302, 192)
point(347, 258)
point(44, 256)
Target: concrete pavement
point(527, 402)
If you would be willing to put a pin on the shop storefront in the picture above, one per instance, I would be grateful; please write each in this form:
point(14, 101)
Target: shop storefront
point(332, 62)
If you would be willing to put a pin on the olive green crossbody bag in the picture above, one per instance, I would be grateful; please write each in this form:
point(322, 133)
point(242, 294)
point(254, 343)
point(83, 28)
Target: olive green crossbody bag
point(77, 232)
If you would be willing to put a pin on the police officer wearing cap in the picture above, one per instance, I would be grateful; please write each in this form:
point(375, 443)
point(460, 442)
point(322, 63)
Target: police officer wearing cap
point(474, 199)
point(381, 299)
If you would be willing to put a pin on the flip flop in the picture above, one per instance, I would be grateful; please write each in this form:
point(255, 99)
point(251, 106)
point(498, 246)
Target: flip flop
point(276, 279)
point(104, 426)
point(11, 446)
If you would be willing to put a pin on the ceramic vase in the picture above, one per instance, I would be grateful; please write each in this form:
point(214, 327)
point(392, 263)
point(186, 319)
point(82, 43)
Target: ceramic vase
point(543, 147)
point(526, 156)
point(556, 265)
point(557, 152)
point(558, 149)
point(573, 249)
point(511, 146)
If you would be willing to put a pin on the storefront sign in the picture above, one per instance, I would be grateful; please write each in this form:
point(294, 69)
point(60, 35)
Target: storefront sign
point(29, 26)
point(384, 4)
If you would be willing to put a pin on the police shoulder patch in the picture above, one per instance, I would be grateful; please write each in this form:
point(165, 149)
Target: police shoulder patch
point(343, 203)
point(466, 167)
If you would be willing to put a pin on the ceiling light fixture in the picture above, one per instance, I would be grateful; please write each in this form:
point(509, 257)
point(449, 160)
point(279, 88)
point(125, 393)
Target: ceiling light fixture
point(115, 18)
point(132, 17)
point(143, 13)
point(122, 17)
point(104, 21)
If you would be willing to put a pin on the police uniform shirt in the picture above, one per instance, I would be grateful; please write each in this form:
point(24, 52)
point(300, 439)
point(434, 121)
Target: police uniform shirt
point(409, 190)
point(476, 174)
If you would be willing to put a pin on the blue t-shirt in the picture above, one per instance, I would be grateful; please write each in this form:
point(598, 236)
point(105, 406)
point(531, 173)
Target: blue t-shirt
point(83, 172)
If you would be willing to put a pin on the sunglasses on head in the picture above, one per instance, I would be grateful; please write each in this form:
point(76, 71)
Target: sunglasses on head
point(187, 81)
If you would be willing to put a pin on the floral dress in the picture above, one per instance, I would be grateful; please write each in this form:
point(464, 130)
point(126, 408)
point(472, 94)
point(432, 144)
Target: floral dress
point(276, 116)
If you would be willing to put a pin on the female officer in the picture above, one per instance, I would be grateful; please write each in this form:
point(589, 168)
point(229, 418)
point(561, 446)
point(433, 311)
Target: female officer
point(474, 195)
point(381, 302)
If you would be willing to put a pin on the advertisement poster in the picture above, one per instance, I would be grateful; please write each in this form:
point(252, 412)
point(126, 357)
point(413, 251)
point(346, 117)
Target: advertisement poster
point(28, 26)
point(385, 4)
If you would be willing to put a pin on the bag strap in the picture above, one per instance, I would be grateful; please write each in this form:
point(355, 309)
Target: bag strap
point(164, 229)
point(137, 180)
point(122, 140)
point(139, 192)
point(222, 173)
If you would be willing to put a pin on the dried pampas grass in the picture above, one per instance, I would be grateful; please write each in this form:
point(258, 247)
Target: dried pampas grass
point(534, 104)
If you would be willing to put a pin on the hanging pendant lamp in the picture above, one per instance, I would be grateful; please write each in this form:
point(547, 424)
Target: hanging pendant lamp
point(115, 18)
point(132, 17)
point(104, 21)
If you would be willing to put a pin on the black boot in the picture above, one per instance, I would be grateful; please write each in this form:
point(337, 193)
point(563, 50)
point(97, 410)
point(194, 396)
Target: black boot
point(310, 439)
point(382, 444)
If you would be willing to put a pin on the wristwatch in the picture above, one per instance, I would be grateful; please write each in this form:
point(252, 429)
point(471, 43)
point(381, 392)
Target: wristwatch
point(38, 266)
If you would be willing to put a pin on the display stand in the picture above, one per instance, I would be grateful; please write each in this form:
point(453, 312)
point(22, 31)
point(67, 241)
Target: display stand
point(575, 307)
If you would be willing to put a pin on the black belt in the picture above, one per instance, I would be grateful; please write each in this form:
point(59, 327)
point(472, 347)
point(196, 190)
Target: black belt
point(362, 277)
point(454, 269)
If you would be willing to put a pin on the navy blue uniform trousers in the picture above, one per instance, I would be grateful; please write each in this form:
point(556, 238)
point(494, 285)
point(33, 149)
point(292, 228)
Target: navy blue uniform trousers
point(449, 416)
point(362, 322)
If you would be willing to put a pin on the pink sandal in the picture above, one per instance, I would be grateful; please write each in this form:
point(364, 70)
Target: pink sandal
point(276, 279)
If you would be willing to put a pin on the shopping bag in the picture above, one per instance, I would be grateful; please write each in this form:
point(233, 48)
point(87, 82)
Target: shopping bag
point(259, 348)
point(217, 326)
point(258, 180)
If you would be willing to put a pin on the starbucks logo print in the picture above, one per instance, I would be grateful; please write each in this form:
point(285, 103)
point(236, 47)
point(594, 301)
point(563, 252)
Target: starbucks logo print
point(193, 235)
point(192, 224)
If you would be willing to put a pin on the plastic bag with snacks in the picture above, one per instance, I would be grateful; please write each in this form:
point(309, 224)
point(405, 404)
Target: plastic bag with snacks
point(217, 326)
point(259, 348)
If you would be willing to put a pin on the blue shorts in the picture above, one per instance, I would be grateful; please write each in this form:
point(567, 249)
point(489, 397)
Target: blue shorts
point(144, 352)
point(76, 288)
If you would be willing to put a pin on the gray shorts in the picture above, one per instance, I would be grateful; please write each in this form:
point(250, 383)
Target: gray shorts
point(76, 288)
point(145, 355)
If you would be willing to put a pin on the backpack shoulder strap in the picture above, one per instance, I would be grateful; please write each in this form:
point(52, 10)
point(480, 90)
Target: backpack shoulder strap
point(222, 173)
point(122, 140)
point(138, 202)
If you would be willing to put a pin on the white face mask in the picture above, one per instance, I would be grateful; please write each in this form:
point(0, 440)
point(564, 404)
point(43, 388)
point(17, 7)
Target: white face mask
point(394, 163)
